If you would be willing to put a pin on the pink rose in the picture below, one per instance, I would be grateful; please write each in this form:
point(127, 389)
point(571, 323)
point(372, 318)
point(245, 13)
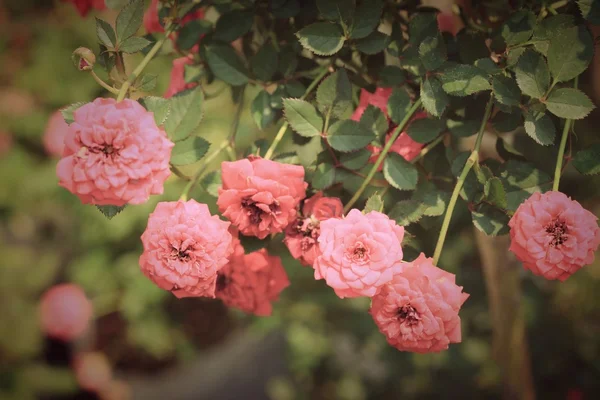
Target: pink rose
point(177, 83)
point(301, 236)
point(5, 143)
point(553, 235)
point(184, 248)
point(152, 23)
point(92, 371)
point(65, 312)
point(84, 6)
point(114, 154)
point(378, 99)
point(447, 22)
point(251, 282)
point(358, 253)
point(54, 135)
point(260, 196)
point(418, 310)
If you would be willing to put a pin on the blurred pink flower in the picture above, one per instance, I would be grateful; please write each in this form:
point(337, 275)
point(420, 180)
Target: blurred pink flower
point(114, 154)
point(418, 310)
point(358, 253)
point(302, 235)
point(54, 135)
point(177, 83)
point(251, 282)
point(184, 248)
point(379, 99)
point(65, 312)
point(92, 371)
point(84, 6)
point(6, 143)
point(447, 22)
point(260, 196)
point(553, 235)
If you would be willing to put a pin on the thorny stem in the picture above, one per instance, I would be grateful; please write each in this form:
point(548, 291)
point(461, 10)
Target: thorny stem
point(561, 150)
point(104, 84)
point(382, 155)
point(472, 160)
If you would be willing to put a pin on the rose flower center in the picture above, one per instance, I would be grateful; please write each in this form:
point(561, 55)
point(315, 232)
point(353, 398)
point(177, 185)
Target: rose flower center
point(408, 314)
point(359, 254)
point(558, 232)
point(256, 212)
point(181, 254)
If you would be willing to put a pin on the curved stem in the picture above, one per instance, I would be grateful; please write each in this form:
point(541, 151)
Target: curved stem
point(427, 149)
point(384, 152)
point(561, 154)
point(104, 84)
point(194, 180)
point(138, 70)
point(472, 160)
point(236, 119)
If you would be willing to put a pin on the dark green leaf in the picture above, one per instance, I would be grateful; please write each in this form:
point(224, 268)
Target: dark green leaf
point(520, 180)
point(110, 211)
point(494, 193)
point(539, 127)
point(518, 28)
point(226, 65)
point(252, 244)
point(488, 65)
point(506, 90)
point(374, 119)
point(366, 18)
point(374, 203)
point(424, 130)
point(335, 94)
point(161, 108)
point(336, 10)
point(190, 34)
point(355, 160)
point(261, 110)
point(67, 112)
point(471, 46)
point(405, 212)
point(432, 51)
point(507, 122)
point(391, 76)
point(490, 220)
point(412, 62)
point(322, 38)
point(463, 127)
point(463, 80)
point(587, 161)
point(514, 55)
point(398, 105)
point(590, 9)
point(212, 182)
point(324, 176)
point(532, 74)
point(570, 53)
point(422, 25)
point(129, 19)
point(431, 199)
point(396, 40)
point(189, 151)
point(508, 152)
point(546, 29)
point(569, 103)
point(288, 61)
point(186, 114)
point(400, 173)
point(264, 62)
point(433, 96)
point(134, 44)
point(233, 25)
point(105, 33)
point(347, 135)
point(375, 43)
point(303, 117)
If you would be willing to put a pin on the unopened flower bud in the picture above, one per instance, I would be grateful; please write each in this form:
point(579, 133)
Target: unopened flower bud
point(84, 59)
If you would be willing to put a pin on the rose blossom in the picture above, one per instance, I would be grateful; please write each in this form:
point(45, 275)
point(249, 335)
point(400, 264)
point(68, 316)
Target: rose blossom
point(418, 310)
point(54, 135)
point(84, 6)
point(184, 248)
point(302, 235)
point(251, 282)
point(260, 196)
point(114, 154)
point(553, 235)
point(92, 371)
point(177, 83)
point(358, 253)
point(65, 312)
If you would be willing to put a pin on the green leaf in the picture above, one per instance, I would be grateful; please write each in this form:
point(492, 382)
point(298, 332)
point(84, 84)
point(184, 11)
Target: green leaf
point(160, 106)
point(303, 117)
point(391, 76)
point(335, 94)
point(405, 212)
point(261, 110)
point(463, 80)
point(518, 28)
point(520, 180)
point(587, 161)
point(396, 41)
point(233, 25)
point(355, 160)
point(347, 135)
point(193, 73)
point(212, 182)
point(424, 130)
point(324, 176)
point(189, 151)
point(336, 10)
point(433, 96)
point(322, 38)
point(569, 103)
point(488, 65)
point(226, 65)
point(507, 122)
point(366, 18)
point(533, 75)
point(146, 82)
point(422, 25)
point(186, 114)
point(375, 43)
point(252, 244)
point(508, 152)
point(106, 34)
point(400, 173)
point(514, 55)
point(570, 53)
point(288, 61)
point(374, 119)
point(374, 203)
point(471, 46)
point(431, 199)
point(67, 112)
point(590, 9)
point(432, 52)
point(264, 63)
point(463, 127)
point(129, 19)
point(134, 44)
point(546, 29)
point(494, 193)
point(490, 220)
point(190, 34)
point(539, 127)
point(398, 105)
point(115, 4)
point(506, 90)
point(110, 211)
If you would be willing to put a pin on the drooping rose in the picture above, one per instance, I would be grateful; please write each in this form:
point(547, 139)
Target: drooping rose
point(65, 312)
point(177, 83)
point(92, 371)
point(55, 133)
point(553, 235)
point(84, 6)
point(184, 248)
point(114, 154)
point(418, 310)
point(301, 236)
point(260, 196)
point(358, 253)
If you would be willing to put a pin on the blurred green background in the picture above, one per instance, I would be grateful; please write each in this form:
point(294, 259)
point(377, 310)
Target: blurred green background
point(315, 346)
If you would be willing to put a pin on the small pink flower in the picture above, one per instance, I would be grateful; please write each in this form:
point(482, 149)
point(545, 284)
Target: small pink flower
point(6, 143)
point(84, 6)
point(54, 135)
point(114, 154)
point(65, 312)
point(378, 99)
point(302, 235)
point(553, 235)
point(251, 282)
point(92, 371)
point(184, 248)
point(358, 253)
point(177, 83)
point(418, 310)
point(260, 196)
